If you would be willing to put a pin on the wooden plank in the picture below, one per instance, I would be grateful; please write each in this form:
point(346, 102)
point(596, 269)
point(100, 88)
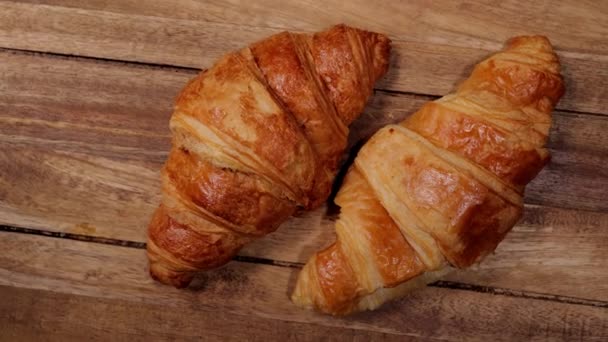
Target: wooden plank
point(432, 52)
point(26, 315)
point(550, 251)
point(487, 23)
point(260, 291)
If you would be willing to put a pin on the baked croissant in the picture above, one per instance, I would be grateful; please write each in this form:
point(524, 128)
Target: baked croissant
point(255, 138)
point(441, 188)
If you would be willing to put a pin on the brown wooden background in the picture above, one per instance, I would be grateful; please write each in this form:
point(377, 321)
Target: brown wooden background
point(86, 91)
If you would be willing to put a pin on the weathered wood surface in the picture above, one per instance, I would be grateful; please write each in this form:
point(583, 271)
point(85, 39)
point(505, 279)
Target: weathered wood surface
point(86, 318)
point(260, 291)
point(435, 44)
point(82, 140)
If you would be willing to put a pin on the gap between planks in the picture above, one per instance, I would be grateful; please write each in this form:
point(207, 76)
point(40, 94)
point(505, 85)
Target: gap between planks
point(256, 260)
point(169, 67)
point(66, 56)
point(194, 71)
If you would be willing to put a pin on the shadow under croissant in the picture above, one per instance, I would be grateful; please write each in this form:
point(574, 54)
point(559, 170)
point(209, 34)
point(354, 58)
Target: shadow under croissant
point(360, 131)
point(234, 281)
point(219, 278)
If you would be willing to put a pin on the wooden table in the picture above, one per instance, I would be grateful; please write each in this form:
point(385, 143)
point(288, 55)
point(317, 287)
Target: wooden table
point(86, 91)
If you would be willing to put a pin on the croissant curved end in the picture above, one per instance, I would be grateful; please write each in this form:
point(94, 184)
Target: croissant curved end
point(160, 271)
point(302, 295)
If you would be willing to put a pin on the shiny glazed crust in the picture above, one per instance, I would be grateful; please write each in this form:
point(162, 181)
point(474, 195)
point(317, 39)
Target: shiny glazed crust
point(442, 188)
point(255, 137)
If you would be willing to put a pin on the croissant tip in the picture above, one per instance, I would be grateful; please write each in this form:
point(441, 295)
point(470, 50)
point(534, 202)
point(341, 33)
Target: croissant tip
point(380, 46)
point(382, 52)
point(166, 276)
point(538, 40)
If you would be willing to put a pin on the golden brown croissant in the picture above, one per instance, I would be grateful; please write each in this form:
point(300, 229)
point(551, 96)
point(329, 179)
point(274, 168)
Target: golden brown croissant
point(440, 189)
point(256, 137)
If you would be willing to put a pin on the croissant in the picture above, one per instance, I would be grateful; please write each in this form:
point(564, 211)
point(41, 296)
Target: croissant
point(256, 138)
point(440, 189)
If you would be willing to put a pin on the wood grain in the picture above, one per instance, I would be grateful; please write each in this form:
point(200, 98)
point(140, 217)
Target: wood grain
point(26, 315)
point(433, 50)
point(489, 23)
point(260, 291)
